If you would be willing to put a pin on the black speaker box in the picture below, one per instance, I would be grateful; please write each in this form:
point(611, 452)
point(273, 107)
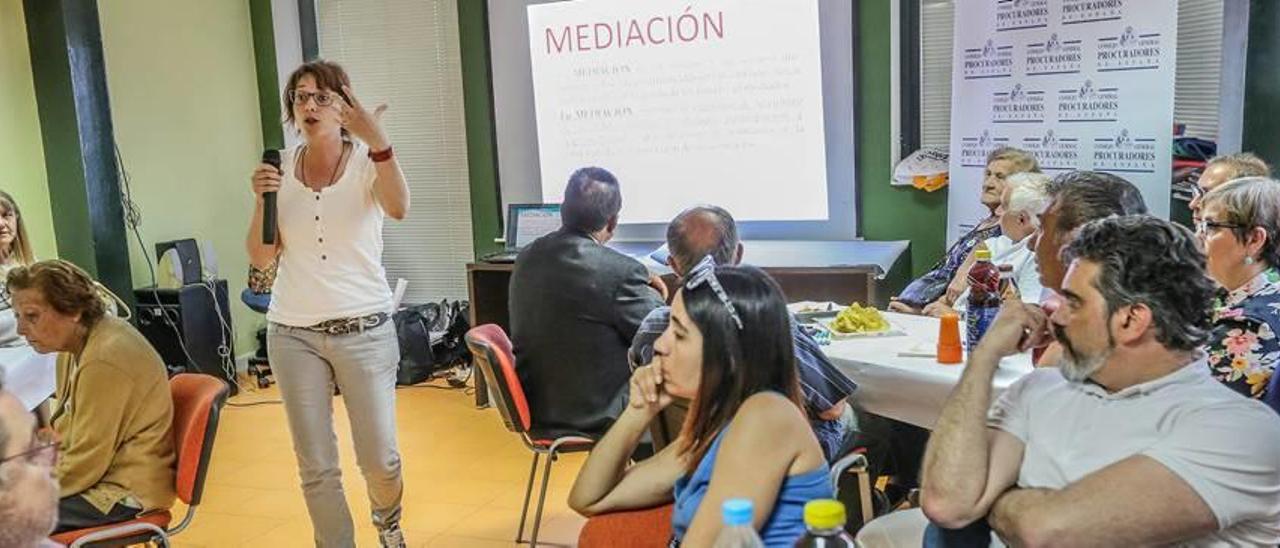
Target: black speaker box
point(199, 315)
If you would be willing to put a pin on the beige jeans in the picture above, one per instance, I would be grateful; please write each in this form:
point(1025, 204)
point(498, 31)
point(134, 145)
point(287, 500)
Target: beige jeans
point(307, 365)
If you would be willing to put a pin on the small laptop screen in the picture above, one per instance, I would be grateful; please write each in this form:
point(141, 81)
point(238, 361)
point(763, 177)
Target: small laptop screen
point(528, 222)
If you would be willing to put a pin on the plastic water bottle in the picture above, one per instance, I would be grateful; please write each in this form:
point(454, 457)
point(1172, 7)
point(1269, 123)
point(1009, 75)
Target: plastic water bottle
point(738, 531)
point(825, 519)
point(984, 298)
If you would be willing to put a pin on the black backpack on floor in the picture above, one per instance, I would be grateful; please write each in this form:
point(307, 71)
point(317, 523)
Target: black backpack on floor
point(431, 339)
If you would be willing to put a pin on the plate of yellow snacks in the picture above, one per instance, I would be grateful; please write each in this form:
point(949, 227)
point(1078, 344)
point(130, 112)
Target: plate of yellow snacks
point(859, 321)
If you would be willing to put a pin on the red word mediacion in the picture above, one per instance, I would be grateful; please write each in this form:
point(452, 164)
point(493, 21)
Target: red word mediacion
point(628, 33)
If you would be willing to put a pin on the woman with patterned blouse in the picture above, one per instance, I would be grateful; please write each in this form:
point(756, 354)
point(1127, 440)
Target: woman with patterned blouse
point(932, 286)
point(1239, 223)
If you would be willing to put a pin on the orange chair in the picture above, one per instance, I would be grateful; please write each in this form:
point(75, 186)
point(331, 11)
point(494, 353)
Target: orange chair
point(491, 350)
point(648, 528)
point(197, 402)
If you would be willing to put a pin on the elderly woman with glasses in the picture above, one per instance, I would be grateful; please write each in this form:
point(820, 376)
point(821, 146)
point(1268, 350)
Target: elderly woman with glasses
point(728, 348)
point(1239, 224)
point(114, 412)
point(932, 287)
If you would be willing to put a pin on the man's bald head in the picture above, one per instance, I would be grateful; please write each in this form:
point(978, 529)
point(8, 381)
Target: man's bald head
point(700, 231)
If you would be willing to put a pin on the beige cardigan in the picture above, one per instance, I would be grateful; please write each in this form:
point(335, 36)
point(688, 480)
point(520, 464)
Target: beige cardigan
point(114, 418)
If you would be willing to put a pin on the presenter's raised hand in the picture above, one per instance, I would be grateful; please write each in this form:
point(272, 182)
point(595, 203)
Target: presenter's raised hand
point(363, 124)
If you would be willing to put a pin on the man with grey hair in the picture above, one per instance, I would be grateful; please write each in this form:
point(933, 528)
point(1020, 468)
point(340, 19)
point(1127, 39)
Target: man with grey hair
point(1225, 168)
point(28, 491)
point(710, 231)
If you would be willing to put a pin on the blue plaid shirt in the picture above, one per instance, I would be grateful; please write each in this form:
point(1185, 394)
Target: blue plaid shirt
point(823, 385)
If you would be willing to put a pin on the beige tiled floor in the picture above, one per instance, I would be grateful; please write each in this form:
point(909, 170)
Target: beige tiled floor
point(464, 479)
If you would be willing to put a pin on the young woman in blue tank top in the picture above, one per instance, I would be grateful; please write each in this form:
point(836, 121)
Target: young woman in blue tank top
point(729, 350)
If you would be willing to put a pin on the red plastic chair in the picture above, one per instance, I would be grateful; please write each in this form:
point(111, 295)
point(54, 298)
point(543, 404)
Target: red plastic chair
point(491, 350)
point(647, 528)
point(197, 402)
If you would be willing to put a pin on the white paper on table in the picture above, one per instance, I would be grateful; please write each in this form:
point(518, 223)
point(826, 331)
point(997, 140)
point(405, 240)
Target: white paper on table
point(28, 375)
point(814, 306)
point(920, 350)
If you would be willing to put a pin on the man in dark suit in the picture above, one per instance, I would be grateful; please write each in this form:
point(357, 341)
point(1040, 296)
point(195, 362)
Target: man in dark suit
point(575, 306)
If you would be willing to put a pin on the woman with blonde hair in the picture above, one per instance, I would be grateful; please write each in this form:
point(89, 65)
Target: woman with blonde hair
point(15, 250)
point(15, 246)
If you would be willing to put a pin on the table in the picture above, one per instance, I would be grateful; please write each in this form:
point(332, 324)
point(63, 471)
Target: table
point(847, 271)
point(909, 389)
point(28, 375)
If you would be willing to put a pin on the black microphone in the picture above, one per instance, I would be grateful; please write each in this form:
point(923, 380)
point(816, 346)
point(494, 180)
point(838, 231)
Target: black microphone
point(272, 157)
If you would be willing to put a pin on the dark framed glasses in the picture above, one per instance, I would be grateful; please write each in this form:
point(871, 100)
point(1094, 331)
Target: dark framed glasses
point(1205, 226)
point(1197, 192)
point(322, 98)
point(43, 450)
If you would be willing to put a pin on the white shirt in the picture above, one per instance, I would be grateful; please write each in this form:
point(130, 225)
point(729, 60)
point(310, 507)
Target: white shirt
point(1225, 446)
point(1023, 260)
point(331, 246)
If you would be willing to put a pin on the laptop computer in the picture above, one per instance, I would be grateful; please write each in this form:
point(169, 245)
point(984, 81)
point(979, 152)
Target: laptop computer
point(525, 223)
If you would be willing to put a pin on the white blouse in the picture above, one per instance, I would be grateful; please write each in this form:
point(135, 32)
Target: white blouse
point(331, 246)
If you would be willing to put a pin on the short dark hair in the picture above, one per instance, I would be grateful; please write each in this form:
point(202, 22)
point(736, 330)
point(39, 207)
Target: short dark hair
point(737, 363)
point(1145, 260)
point(591, 199)
point(1084, 196)
point(328, 75)
point(717, 237)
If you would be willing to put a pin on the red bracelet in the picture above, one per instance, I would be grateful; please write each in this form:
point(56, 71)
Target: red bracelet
point(381, 155)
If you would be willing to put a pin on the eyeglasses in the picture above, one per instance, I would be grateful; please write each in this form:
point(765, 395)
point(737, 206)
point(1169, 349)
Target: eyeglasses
point(1203, 226)
point(704, 273)
point(43, 451)
point(323, 98)
point(1197, 192)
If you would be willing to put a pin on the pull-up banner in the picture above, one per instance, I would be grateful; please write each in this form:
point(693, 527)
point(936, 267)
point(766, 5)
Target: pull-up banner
point(1081, 84)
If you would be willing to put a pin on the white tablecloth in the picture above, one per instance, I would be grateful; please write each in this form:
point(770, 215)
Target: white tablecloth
point(28, 375)
point(908, 389)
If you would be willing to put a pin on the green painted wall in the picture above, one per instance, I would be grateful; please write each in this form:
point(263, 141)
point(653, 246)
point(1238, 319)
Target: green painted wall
point(22, 171)
point(889, 212)
point(482, 160)
point(184, 102)
point(886, 213)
